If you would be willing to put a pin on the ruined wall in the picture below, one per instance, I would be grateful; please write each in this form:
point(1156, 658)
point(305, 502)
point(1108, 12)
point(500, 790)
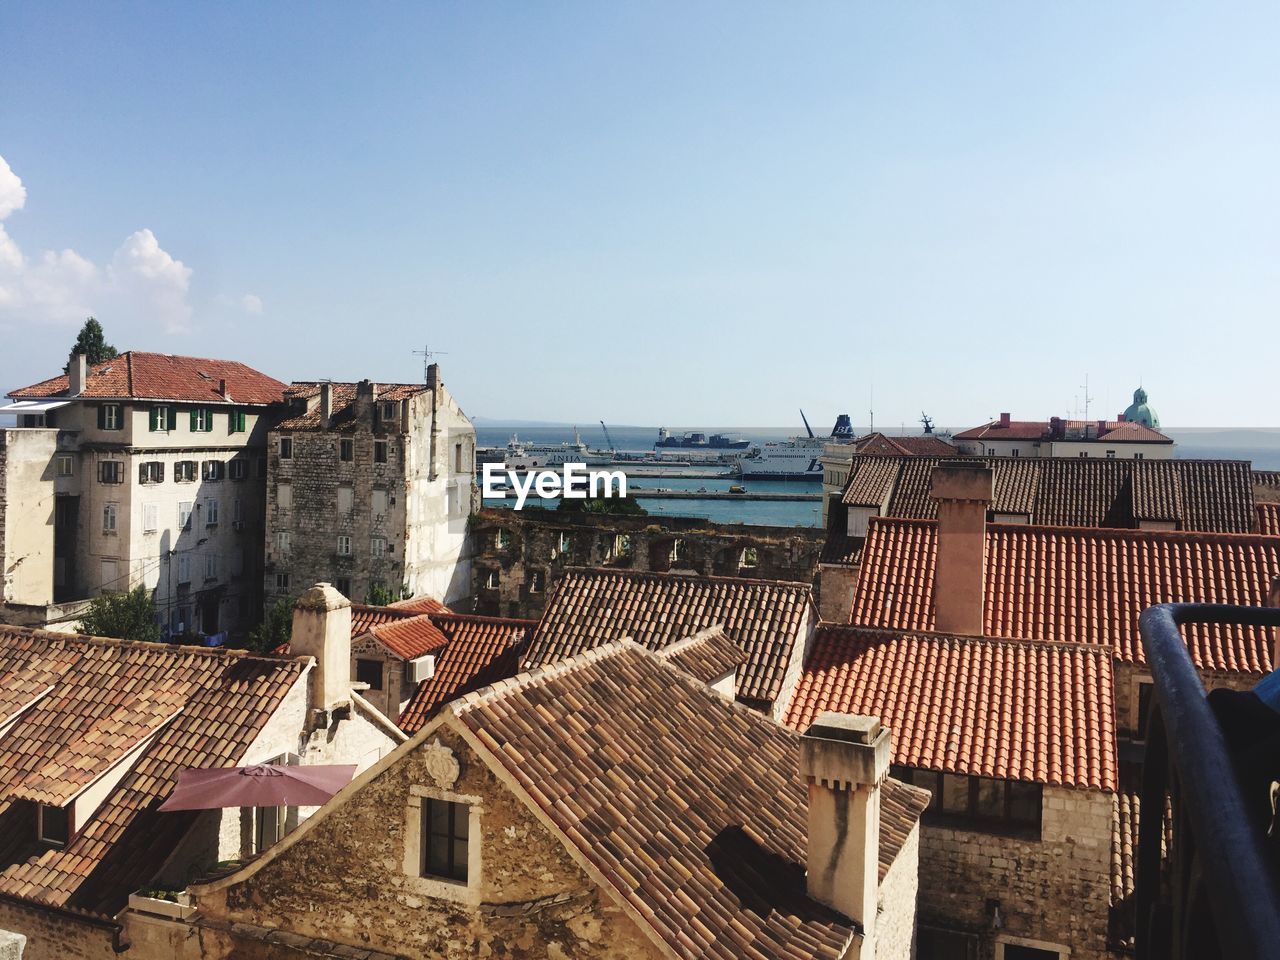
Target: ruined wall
point(54, 935)
point(1055, 890)
point(345, 880)
point(512, 574)
point(26, 515)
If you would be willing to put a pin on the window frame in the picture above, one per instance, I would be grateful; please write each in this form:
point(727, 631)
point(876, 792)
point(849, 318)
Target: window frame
point(186, 471)
point(344, 545)
point(236, 421)
point(111, 417)
point(238, 468)
point(67, 460)
point(110, 517)
point(381, 451)
point(284, 447)
point(971, 819)
point(114, 468)
point(346, 450)
point(414, 847)
point(162, 418)
point(364, 666)
point(67, 831)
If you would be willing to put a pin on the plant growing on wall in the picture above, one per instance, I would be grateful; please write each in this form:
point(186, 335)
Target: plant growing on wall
point(275, 629)
point(124, 616)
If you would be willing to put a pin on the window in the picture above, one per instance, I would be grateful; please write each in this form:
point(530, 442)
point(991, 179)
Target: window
point(445, 848)
point(150, 517)
point(1083, 453)
point(284, 496)
point(1017, 452)
point(344, 546)
point(566, 542)
point(184, 568)
point(214, 470)
point(282, 583)
point(110, 417)
point(535, 582)
point(677, 550)
point(66, 465)
point(162, 419)
point(235, 421)
point(379, 502)
point(1139, 456)
point(370, 672)
point(108, 518)
point(377, 547)
point(185, 508)
point(282, 541)
point(54, 825)
point(111, 471)
point(239, 468)
point(491, 580)
point(1027, 950)
point(750, 558)
point(1144, 709)
point(151, 471)
point(346, 499)
point(268, 826)
point(184, 471)
point(1111, 454)
point(344, 586)
point(211, 566)
point(346, 450)
point(457, 458)
point(934, 944)
point(502, 539)
point(379, 451)
point(979, 803)
point(286, 448)
point(201, 420)
point(210, 512)
point(622, 544)
point(389, 411)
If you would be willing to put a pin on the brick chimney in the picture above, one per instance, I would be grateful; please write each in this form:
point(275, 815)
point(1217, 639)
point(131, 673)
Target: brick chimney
point(1005, 419)
point(844, 760)
point(963, 490)
point(1102, 427)
point(322, 629)
point(326, 405)
point(77, 374)
point(222, 389)
point(366, 395)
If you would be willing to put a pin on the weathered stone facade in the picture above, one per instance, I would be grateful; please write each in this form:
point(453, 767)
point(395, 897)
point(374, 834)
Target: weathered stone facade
point(520, 553)
point(60, 934)
point(1054, 890)
point(896, 905)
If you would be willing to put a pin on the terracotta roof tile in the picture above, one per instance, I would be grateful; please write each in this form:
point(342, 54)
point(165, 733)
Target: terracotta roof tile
point(1079, 584)
point(1018, 710)
point(878, 444)
point(365, 617)
point(201, 708)
point(344, 403)
point(705, 656)
point(689, 806)
point(423, 604)
point(1269, 519)
point(479, 651)
point(411, 637)
point(590, 607)
point(161, 376)
point(1267, 478)
point(1117, 431)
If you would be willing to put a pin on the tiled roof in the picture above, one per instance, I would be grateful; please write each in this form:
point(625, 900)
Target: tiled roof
point(1267, 478)
point(1116, 431)
point(690, 808)
point(410, 638)
point(1014, 430)
point(1210, 495)
point(1012, 709)
point(423, 604)
point(592, 607)
point(705, 656)
point(480, 651)
point(201, 708)
point(1269, 519)
point(923, 446)
point(1079, 584)
point(364, 617)
point(161, 376)
point(344, 402)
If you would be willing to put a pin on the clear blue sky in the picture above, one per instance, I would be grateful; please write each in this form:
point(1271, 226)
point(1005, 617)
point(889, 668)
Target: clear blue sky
point(683, 213)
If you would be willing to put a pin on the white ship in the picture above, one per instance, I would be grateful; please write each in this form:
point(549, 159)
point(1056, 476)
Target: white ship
point(533, 456)
point(798, 458)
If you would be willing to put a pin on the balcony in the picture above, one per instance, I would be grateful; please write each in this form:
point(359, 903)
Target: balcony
point(1213, 892)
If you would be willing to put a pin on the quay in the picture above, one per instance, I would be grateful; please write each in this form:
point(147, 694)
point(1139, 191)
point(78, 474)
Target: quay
point(642, 493)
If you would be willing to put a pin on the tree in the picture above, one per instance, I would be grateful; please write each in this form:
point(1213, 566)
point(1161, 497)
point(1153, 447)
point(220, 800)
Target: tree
point(614, 506)
point(275, 629)
point(124, 616)
point(380, 595)
point(92, 342)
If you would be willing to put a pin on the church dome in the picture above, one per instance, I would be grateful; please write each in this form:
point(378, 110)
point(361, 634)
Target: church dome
point(1140, 412)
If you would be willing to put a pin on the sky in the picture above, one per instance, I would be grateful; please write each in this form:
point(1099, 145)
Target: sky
point(683, 213)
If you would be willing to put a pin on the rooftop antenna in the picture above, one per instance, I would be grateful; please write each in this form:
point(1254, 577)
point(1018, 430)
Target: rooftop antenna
point(426, 353)
point(1087, 399)
point(871, 427)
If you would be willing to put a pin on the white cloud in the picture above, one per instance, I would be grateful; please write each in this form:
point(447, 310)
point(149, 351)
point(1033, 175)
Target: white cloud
point(252, 304)
point(143, 284)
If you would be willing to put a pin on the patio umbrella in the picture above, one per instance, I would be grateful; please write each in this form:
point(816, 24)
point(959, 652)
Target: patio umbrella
point(264, 785)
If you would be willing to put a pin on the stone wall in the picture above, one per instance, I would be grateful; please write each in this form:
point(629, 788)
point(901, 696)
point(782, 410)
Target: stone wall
point(26, 515)
point(345, 880)
point(836, 587)
point(896, 909)
point(1130, 677)
point(531, 555)
point(58, 935)
point(1056, 889)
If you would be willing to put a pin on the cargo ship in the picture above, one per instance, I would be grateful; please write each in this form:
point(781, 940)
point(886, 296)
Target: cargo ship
point(699, 442)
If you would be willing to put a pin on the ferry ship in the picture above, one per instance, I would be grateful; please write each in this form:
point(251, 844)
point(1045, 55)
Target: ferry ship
point(699, 442)
point(530, 456)
point(798, 458)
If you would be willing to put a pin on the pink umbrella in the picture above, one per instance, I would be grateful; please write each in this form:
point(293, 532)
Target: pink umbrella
point(264, 785)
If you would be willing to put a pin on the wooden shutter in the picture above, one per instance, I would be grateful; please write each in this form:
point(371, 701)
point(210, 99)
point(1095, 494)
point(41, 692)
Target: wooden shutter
point(193, 419)
point(102, 416)
point(154, 419)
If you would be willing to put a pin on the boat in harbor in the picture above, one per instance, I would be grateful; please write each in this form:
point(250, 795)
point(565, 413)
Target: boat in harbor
point(798, 458)
point(522, 455)
point(699, 442)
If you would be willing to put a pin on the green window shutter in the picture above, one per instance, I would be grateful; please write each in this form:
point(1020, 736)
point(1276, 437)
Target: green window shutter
point(151, 420)
point(194, 425)
point(102, 416)
point(208, 419)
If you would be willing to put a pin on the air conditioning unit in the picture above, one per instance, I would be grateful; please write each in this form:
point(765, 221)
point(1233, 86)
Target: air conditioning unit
point(421, 668)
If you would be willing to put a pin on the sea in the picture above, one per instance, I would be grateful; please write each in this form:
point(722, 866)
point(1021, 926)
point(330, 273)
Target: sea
point(1260, 445)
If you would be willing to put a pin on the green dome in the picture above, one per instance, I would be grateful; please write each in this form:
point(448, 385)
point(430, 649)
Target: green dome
point(1139, 412)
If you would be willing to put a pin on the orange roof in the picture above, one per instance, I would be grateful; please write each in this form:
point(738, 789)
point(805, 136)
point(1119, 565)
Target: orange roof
point(1079, 584)
point(423, 604)
point(1115, 431)
point(1012, 709)
point(162, 376)
point(411, 637)
point(923, 446)
point(82, 704)
point(1269, 519)
point(365, 617)
point(480, 651)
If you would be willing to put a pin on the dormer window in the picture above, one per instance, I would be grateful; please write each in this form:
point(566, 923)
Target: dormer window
point(389, 412)
point(54, 825)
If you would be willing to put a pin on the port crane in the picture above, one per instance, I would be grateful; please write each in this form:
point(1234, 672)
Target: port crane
point(608, 439)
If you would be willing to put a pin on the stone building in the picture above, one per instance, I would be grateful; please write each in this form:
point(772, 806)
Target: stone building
point(521, 553)
point(370, 488)
point(93, 734)
point(609, 805)
point(1136, 435)
point(771, 621)
point(148, 469)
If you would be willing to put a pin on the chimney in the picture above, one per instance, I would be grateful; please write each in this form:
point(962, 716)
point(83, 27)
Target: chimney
point(322, 629)
point(963, 490)
point(844, 760)
point(222, 389)
point(433, 375)
point(366, 393)
point(1102, 427)
point(77, 374)
point(1004, 419)
point(326, 405)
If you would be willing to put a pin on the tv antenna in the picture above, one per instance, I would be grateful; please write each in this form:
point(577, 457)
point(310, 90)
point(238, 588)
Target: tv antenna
point(1087, 398)
point(426, 353)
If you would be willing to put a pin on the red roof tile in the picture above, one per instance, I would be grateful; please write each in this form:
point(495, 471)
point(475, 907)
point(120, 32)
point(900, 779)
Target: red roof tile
point(706, 656)
point(690, 807)
point(591, 607)
point(344, 403)
point(365, 617)
point(1018, 710)
point(1117, 431)
point(410, 638)
point(161, 376)
point(1269, 519)
point(480, 651)
point(1079, 584)
point(423, 604)
point(878, 444)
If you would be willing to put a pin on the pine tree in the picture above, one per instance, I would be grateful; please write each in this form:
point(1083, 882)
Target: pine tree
point(93, 344)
